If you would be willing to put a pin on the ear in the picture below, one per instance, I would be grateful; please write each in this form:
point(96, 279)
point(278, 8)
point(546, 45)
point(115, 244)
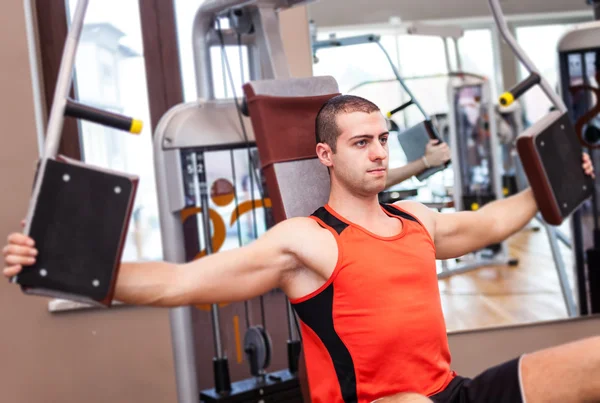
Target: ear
point(325, 154)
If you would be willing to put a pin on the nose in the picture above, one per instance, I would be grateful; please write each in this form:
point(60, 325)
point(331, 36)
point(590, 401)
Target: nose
point(378, 151)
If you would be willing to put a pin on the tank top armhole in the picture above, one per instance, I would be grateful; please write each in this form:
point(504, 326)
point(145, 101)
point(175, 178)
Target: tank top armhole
point(416, 219)
point(335, 270)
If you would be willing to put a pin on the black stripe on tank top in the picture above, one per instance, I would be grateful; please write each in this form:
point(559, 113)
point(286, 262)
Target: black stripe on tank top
point(394, 211)
point(317, 313)
point(330, 220)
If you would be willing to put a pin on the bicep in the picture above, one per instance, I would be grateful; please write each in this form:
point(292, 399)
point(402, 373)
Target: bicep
point(235, 275)
point(460, 233)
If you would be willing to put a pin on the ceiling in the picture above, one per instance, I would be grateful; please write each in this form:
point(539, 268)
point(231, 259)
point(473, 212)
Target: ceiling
point(330, 13)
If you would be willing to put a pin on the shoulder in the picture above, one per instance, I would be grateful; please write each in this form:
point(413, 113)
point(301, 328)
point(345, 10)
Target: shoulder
point(296, 225)
point(314, 249)
point(420, 211)
point(299, 232)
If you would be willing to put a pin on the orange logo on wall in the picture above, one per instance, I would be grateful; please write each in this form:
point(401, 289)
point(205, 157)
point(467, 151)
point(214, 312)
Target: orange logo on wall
point(221, 194)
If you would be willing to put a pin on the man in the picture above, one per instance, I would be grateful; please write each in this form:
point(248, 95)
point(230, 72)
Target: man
point(435, 155)
point(362, 277)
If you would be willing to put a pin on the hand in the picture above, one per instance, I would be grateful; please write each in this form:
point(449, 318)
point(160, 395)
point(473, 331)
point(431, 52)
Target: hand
point(19, 251)
point(437, 154)
point(588, 166)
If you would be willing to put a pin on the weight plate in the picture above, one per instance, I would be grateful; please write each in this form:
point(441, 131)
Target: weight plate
point(258, 340)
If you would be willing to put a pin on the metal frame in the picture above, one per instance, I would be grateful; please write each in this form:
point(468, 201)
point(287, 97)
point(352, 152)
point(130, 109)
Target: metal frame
point(59, 103)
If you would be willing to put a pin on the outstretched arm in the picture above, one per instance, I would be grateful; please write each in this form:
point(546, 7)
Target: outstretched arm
point(228, 276)
point(464, 232)
point(457, 234)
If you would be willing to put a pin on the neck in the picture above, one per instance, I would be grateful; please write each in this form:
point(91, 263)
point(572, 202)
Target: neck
point(356, 208)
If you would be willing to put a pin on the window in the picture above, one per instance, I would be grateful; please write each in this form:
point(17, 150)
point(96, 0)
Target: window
point(476, 49)
point(544, 55)
point(356, 64)
point(185, 13)
point(110, 74)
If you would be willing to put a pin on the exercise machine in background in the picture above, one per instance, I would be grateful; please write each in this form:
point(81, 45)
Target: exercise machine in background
point(207, 177)
point(579, 61)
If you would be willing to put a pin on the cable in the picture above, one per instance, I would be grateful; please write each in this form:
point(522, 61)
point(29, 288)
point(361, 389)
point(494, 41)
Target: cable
point(251, 172)
point(239, 227)
point(251, 162)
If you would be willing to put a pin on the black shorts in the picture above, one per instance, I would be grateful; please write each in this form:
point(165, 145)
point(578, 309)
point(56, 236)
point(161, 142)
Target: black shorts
point(499, 384)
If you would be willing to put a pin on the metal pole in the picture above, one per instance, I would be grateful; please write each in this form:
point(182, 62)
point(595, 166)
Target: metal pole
point(202, 186)
point(561, 272)
point(61, 94)
point(459, 66)
point(447, 54)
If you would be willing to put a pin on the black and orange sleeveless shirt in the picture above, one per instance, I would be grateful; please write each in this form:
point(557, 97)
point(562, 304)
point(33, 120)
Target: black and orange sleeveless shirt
point(376, 327)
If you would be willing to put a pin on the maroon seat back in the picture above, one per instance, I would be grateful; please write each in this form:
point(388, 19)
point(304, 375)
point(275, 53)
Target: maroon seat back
point(283, 116)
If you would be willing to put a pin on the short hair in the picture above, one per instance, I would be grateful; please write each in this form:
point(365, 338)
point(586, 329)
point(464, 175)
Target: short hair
point(326, 128)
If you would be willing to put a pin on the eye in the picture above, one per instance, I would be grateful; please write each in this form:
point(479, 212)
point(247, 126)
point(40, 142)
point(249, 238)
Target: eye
point(361, 143)
point(383, 140)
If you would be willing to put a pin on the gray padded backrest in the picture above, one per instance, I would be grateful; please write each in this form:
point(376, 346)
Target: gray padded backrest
point(303, 184)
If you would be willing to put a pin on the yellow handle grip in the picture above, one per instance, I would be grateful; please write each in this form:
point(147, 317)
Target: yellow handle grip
point(136, 126)
point(507, 99)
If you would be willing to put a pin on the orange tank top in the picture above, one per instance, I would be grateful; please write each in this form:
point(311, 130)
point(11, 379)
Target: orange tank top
point(376, 327)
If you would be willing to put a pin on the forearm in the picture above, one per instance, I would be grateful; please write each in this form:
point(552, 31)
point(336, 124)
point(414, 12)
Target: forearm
point(505, 217)
point(147, 283)
point(398, 175)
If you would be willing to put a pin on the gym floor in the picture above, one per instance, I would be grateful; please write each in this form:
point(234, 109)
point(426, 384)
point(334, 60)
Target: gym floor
point(503, 295)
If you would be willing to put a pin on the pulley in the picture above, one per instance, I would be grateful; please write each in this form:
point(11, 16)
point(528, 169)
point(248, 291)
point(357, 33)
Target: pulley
point(257, 345)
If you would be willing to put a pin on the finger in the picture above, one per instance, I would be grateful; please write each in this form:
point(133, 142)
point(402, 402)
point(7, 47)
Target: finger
point(12, 271)
point(23, 223)
point(21, 260)
point(19, 250)
point(20, 239)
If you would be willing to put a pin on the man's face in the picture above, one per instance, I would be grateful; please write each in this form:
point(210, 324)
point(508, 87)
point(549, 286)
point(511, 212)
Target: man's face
point(360, 162)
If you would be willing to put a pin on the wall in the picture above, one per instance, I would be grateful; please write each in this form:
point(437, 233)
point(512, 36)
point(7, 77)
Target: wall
point(113, 356)
point(327, 13)
point(120, 355)
point(296, 40)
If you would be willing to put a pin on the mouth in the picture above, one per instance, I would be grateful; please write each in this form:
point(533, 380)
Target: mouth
point(377, 171)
